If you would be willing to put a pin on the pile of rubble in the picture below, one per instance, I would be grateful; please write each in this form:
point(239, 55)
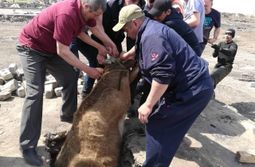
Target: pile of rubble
point(12, 83)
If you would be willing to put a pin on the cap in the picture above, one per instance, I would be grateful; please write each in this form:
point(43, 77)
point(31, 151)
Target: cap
point(159, 6)
point(231, 32)
point(128, 13)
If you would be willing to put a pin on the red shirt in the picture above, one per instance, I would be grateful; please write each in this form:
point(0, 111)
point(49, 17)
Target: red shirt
point(59, 22)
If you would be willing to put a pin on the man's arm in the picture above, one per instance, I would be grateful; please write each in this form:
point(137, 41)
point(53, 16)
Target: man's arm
point(216, 33)
point(128, 55)
point(194, 20)
point(86, 38)
point(99, 32)
point(64, 52)
point(156, 91)
point(216, 50)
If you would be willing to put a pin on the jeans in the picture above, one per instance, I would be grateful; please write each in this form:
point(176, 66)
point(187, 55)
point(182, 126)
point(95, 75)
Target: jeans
point(91, 55)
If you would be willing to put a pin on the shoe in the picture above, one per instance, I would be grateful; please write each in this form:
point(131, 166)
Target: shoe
point(67, 119)
point(31, 157)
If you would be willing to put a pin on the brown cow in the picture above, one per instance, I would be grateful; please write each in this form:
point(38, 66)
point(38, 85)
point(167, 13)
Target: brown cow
point(95, 138)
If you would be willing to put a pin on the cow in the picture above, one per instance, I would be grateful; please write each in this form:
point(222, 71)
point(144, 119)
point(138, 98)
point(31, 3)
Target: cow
point(95, 137)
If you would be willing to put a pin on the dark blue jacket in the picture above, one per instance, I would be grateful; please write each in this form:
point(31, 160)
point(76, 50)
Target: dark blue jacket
point(168, 59)
point(175, 21)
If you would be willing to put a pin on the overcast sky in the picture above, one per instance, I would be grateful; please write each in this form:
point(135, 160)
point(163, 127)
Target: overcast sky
point(235, 6)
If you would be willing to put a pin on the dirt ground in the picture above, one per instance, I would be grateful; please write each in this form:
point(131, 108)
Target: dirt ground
point(226, 126)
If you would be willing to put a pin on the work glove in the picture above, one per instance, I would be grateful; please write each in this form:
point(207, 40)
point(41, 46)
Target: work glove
point(215, 54)
point(216, 47)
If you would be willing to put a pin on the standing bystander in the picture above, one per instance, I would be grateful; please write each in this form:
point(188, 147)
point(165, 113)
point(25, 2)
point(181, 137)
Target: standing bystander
point(194, 15)
point(212, 19)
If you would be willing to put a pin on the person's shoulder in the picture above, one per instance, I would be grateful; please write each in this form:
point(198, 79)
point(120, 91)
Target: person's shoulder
point(234, 43)
point(114, 3)
point(216, 12)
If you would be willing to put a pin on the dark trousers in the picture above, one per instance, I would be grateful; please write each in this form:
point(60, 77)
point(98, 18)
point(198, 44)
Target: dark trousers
point(219, 73)
point(91, 55)
point(34, 64)
point(166, 128)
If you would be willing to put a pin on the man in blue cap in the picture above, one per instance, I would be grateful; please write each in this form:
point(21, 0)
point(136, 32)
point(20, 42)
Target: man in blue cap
point(181, 86)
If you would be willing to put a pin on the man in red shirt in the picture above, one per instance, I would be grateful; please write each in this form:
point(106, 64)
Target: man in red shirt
point(44, 44)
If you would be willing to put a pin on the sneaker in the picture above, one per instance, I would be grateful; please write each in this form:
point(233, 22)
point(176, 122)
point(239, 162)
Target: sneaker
point(31, 157)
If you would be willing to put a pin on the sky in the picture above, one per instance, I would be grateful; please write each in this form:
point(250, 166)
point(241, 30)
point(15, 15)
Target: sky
point(246, 7)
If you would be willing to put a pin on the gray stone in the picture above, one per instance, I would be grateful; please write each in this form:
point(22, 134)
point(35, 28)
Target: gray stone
point(6, 74)
point(252, 84)
point(246, 156)
point(4, 95)
point(21, 91)
point(2, 81)
point(13, 68)
point(49, 91)
point(58, 91)
point(11, 85)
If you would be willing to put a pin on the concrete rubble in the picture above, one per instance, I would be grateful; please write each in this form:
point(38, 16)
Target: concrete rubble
point(12, 84)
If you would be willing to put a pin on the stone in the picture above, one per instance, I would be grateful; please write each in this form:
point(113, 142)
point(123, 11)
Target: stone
point(58, 91)
point(2, 81)
point(6, 74)
point(21, 92)
point(246, 156)
point(13, 68)
point(252, 84)
point(49, 91)
point(4, 95)
point(11, 85)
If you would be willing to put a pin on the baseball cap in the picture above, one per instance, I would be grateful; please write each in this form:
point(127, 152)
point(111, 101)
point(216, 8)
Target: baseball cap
point(160, 6)
point(128, 13)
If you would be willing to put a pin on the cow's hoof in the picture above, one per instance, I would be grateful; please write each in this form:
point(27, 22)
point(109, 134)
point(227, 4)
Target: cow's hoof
point(31, 157)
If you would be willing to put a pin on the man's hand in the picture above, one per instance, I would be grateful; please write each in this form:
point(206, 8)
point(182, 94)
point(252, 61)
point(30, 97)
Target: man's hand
point(211, 40)
point(94, 73)
point(144, 112)
point(216, 47)
point(112, 49)
point(126, 56)
point(102, 50)
point(101, 59)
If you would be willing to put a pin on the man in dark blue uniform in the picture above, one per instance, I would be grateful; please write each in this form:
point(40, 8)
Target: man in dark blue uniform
point(181, 86)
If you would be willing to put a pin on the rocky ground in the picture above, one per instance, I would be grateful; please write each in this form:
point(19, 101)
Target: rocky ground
point(225, 127)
